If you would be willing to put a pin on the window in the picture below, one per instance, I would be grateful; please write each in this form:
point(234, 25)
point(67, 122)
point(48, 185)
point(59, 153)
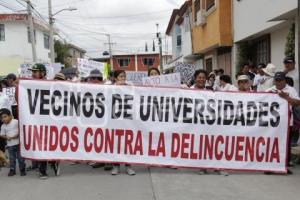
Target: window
point(209, 65)
point(2, 32)
point(46, 41)
point(148, 61)
point(262, 49)
point(124, 62)
point(197, 8)
point(28, 33)
point(209, 4)
point(178, 41)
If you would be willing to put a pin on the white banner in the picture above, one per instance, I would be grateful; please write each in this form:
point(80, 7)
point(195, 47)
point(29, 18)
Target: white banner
point(152, 126)
point(11, 93)
point(169, 80)
point(135, 78)
point(85, 66)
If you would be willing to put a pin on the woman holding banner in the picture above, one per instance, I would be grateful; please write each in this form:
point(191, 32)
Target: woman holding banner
point(120, 77)
point(200, 78)
point(153, 72)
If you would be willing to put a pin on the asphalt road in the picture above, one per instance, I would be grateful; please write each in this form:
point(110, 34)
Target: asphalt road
point(81, 182)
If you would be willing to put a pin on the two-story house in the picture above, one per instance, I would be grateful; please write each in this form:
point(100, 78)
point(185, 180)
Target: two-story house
point(261, 28)
point(15, 41)
point(179, 29)
point(212, 33)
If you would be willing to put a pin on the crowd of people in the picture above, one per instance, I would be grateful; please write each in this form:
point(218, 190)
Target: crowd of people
point(261, 78)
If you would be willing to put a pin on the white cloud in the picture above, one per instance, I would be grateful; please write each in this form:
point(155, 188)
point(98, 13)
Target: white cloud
point(131, 22)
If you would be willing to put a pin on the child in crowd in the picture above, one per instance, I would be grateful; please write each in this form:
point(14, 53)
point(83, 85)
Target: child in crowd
point(10, 132)
point(120, 77)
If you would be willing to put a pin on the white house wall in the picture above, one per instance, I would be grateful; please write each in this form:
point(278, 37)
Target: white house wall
point(16, 43)
point(278, 41)
point(252, 16)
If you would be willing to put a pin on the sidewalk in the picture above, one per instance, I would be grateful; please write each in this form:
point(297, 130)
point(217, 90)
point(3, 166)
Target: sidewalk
point(84, 183)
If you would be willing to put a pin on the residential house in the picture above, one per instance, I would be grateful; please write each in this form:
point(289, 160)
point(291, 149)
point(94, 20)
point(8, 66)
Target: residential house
point(261, 28)
point(140, 61)
point(179, 29)
point(75, 52)
point(15, 42)
point(212, 33)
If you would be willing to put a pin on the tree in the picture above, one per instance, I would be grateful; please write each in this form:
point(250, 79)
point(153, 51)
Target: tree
point(146, 47)
point(61, 49)
point(290, 42)
point(153, 46)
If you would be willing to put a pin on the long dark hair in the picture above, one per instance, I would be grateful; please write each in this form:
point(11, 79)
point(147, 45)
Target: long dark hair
point(153, 68)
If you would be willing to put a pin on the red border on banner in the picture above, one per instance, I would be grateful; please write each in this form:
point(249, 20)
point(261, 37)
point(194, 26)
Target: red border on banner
point(149, 165)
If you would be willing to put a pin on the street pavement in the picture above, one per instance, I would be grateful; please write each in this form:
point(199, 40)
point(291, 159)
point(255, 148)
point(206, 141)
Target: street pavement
point(81, 182)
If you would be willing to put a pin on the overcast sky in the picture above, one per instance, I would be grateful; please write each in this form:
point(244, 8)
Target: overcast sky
point(131, 23)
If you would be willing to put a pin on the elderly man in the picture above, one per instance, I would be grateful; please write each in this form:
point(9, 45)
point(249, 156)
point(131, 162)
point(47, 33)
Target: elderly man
point(281, 87)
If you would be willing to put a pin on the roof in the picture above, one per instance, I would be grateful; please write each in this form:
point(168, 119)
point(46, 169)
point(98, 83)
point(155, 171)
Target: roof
point(177, 15)
point(77, 48)
point(23, 18)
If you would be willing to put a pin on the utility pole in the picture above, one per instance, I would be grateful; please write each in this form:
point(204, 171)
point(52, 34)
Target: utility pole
point(158, 35)
point(31, 27)
point(110, 51)
point(51, 34)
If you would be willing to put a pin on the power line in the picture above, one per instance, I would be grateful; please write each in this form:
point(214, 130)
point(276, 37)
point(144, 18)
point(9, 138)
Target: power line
point(121, 16)
point(7, 7)
point(63, 4)
point(21, 3)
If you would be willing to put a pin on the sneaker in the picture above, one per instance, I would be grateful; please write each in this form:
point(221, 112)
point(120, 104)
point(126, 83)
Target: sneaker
point(115, 170)
point(43, 176)
point(108, 167)
point(56, 169)
point(23, 173)
point(223, 173)
point(97, 165)
point(130, 171)
point(202, 172)
point(11, 173)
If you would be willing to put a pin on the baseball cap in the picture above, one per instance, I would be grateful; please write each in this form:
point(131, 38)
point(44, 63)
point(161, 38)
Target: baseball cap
point(279, 76)
point(59, 76)
point(95, 74)
point(243, 78)
point(289, 59)
point(38, 67)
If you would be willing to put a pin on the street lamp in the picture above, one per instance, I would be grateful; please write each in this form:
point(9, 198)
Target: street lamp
point(51, 23)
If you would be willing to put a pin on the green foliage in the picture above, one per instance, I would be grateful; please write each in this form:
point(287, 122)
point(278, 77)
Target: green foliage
point(290, 42)
point(61, 50)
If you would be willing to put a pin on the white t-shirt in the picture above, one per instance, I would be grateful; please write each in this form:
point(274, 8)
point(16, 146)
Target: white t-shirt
point(258, 79)
point(292, 93)
point(228, 87)
point(10, 130)
point(4, 101)
point(294, 75)
point(266, 84)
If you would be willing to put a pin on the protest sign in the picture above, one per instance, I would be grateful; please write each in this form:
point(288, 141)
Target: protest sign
point(51, 70)
point(11, 93)
point(85, 66)
point(24, 70)
point(169, 80)
point(135, 78)
point(152, 126)
point(186, 71)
